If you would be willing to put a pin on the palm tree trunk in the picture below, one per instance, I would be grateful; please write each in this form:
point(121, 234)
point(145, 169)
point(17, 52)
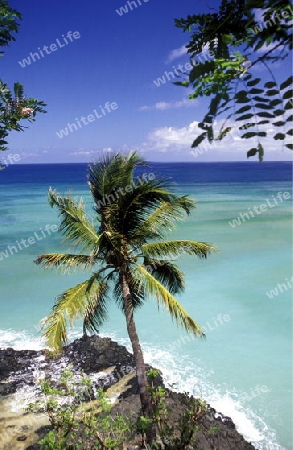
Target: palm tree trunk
point(137, 352)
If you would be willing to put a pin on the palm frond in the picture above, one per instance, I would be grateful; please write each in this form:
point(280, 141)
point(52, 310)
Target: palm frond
point(164, 217)
point(176, 248)
point(55, 331)
point(96, 310)
point(74, 223)
point(164, 297)
point(70, 305)
point(123, 203)
point(107, 176)
point(65, 261)
point(134, 207)
point(167, 273)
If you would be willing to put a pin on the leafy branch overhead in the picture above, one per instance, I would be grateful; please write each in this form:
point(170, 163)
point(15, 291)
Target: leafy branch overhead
point(235, 44)
point(14, 105)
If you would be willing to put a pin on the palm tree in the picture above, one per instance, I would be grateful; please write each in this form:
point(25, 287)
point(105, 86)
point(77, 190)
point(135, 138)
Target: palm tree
point(131, 214)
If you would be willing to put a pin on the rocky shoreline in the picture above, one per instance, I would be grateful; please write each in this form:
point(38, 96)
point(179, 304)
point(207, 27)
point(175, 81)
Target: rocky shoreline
point(111, 367)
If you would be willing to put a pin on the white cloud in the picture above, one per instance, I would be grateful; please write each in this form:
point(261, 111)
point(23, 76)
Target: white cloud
point(173, 138)
point(163, 106)
point(166, 138)
point(80, 153)
point(144, 108)
point(177, 140)
point(176, 53)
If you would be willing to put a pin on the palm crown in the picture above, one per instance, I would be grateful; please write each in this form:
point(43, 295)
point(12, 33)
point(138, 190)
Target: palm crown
point(124, 250)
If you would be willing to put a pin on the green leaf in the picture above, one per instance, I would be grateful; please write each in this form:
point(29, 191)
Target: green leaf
point(201, 70)
point(224, 133)
point(164, 218)
point(198, 140)
point(286, 83)
point(255, 91)
point(278, 112)
point(74, 223)
point(247, 77)
point(288, 94)
point(243, 109)
point(288, 105)
point(275, 102)
point(69, 306)
point(252, 152)
point(262, 106)
point(272, 92)
point(257, 98)
point(290, 146)
point(241, 95)
point(245, 117)
point(279, 124)
point(181, 83)
point(248, 135)
point(167, 273)
point(176, 248)
point(270, 84)
point(263, 122)
point(67, 261)
point(279, 136)
point(247, 125)
point(290, 132)
point(243, 100)
point(253, 82)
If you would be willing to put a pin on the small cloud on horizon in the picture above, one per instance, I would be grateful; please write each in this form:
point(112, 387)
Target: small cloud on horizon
point(163, 106)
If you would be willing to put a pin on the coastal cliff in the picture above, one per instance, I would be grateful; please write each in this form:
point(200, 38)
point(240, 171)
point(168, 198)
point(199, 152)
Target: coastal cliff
point(111, 367)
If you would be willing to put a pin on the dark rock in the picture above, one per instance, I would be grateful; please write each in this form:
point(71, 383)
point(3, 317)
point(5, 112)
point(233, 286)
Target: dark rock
point(7, 388)
point(22, 438)
point(95, 354)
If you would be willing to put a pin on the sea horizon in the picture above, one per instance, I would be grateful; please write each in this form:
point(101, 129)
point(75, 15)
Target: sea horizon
point(157, 161)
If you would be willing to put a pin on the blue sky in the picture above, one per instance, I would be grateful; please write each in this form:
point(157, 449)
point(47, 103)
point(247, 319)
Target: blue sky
point(111, 59)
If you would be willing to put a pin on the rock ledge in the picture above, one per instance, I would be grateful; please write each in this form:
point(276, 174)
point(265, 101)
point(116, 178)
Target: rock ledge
point(107, 363)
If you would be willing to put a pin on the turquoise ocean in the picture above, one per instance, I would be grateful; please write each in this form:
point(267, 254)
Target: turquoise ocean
point(241, 295)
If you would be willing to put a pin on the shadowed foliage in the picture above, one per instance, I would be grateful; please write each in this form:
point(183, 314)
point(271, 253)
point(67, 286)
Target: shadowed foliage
point(235, 39)
point(14, 105)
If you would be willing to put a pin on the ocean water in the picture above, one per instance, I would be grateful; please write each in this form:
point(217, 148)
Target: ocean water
point(241, 295)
